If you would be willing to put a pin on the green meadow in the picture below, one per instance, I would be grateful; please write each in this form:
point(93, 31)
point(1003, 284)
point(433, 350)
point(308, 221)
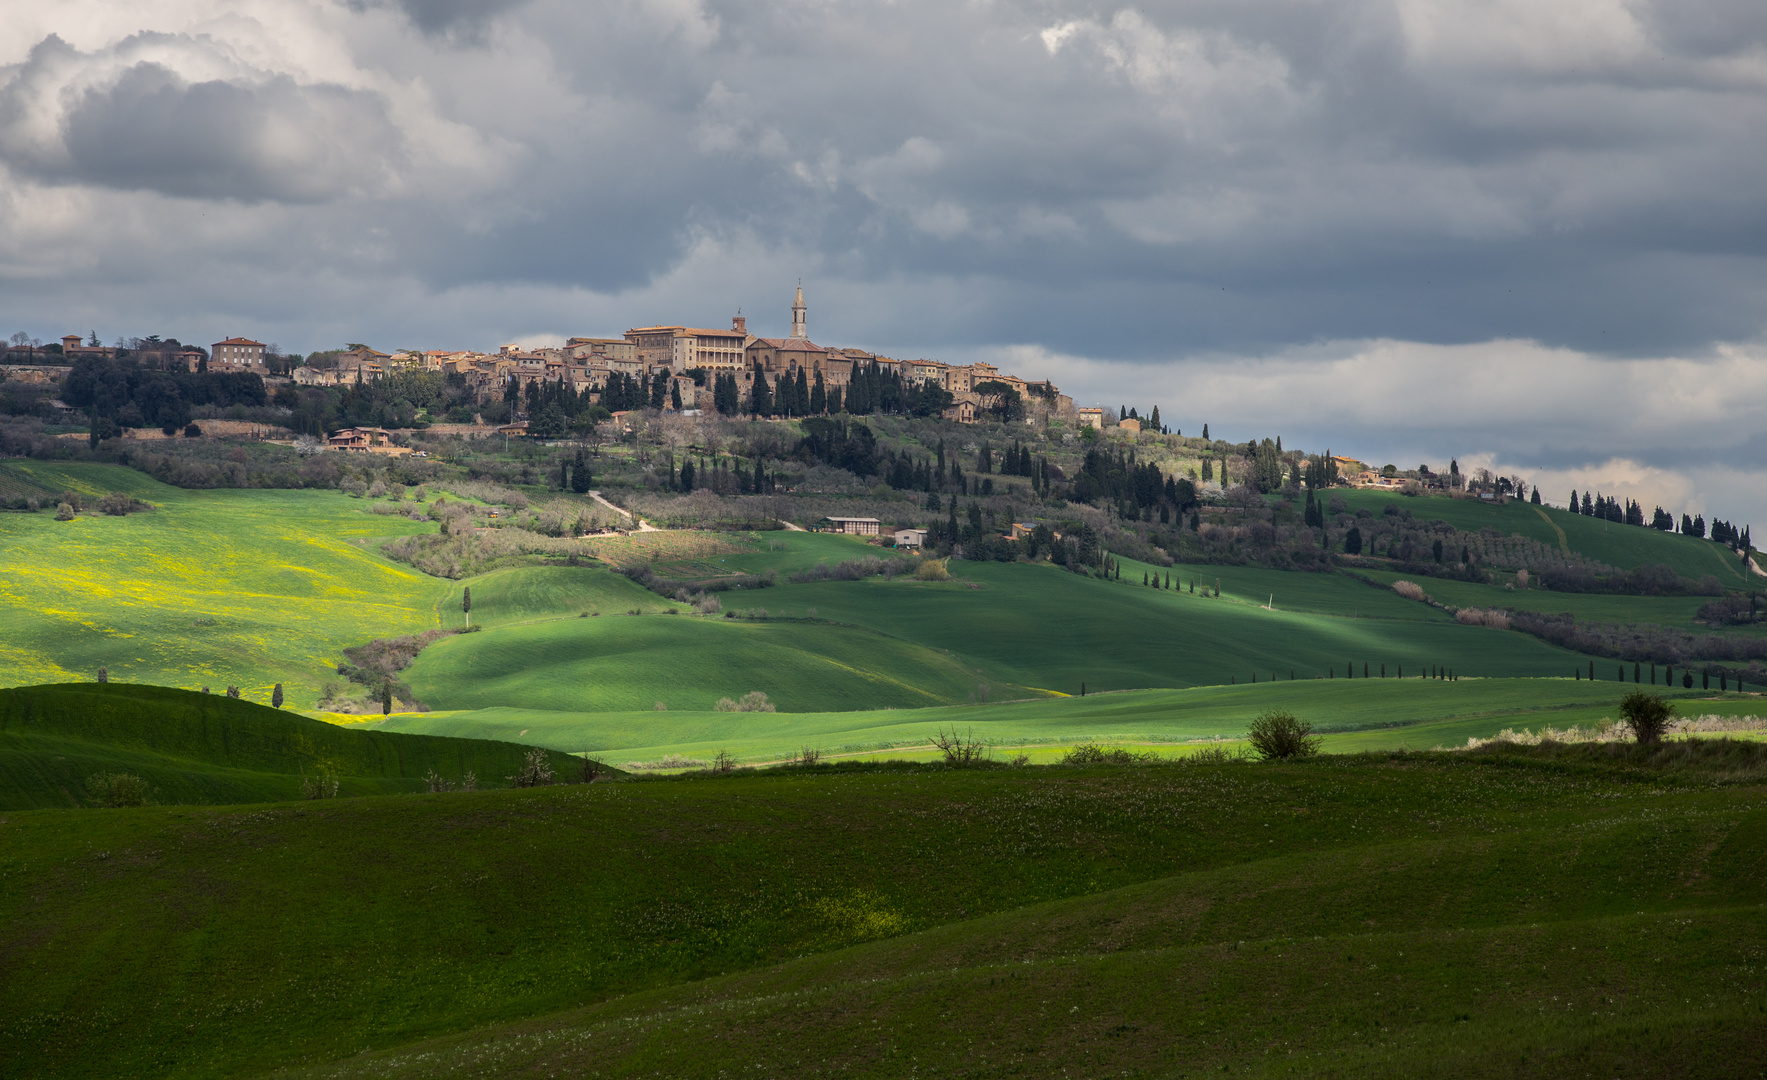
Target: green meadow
point(1355, 715)
point(210, 588)
point(1554, 912)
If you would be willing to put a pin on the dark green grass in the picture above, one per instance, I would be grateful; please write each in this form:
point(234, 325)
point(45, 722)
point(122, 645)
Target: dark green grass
point(628, 663)
point(207, 748)
point(1624, 546)
point(1354, 916)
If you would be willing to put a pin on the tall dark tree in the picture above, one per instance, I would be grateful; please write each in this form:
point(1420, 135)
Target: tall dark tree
point(466, 603)
point(276, 697)
point(818, 397)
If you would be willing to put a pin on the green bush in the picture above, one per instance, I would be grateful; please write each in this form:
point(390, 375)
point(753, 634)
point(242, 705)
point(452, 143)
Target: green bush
point(117, 789)
point(1647, 714)
point(1278, 735)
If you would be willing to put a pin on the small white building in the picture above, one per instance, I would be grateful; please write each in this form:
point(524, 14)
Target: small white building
point(910, 538)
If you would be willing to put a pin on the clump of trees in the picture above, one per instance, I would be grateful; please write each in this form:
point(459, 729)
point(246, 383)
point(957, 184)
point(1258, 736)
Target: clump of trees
point(113, 790)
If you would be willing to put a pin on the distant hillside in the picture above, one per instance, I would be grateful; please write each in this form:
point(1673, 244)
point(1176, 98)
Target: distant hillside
point(208, 748)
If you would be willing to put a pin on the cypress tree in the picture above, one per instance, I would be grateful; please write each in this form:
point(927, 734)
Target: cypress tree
point(466, 603)
point(1636, 672)
point(1591, 671)
point(276, 697)
point(1205, 439)
point(386, 699)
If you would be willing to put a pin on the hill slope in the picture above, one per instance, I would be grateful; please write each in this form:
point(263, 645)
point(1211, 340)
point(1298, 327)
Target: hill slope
point(1359, 916)
point(207, 748)
point(217, 588)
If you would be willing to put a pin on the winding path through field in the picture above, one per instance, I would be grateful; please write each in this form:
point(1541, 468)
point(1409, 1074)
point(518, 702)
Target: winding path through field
point(643, 525)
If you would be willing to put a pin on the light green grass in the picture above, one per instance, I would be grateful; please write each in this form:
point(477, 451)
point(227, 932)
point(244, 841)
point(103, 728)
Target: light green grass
point(217, 588)
point(632, 662)
point(535, 593)
point(1391, 713)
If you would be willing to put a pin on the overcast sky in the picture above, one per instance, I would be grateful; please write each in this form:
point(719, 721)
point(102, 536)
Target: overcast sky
point(1527, 233)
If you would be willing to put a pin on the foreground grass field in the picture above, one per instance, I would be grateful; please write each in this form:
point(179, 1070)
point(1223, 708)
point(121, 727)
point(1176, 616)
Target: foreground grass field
point(216, 588)
point(1357, 714)
point(1554, 913)
point(206, 748)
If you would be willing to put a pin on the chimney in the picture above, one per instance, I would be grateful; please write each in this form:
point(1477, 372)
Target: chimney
point(740, 325)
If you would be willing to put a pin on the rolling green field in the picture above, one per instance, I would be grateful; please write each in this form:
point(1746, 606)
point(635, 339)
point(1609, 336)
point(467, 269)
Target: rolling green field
point(625, 663)
point(1677, 611)
point(1359, 714)
point(207, 748)
point(1551, 913)
point(530, 593)
point(216, 588)
point(1624, 546)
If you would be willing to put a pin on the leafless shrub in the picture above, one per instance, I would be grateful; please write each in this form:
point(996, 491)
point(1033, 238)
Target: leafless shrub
point(961, 749)
point(1410, 590)
point(1495, 619)
point(323, 786)
point(724, 763)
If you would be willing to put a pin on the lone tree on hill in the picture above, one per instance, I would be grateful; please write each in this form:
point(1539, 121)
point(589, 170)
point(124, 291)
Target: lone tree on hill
point(276, 697)
point(1647, 714)
point(386, 699)
point(466, 603)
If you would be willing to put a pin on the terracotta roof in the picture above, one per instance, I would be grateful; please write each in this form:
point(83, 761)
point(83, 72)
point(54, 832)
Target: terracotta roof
point(239, 341)
point(791, 344)
point(696, 332)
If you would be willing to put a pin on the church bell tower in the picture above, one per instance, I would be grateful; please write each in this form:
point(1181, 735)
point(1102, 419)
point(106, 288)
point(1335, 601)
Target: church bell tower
point(798, 327)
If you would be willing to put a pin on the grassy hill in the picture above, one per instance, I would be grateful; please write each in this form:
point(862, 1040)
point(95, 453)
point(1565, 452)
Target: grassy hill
point(216, 588)
point(685, 662)
point(207, 748)
point(1547, 913)
point(1624, 546)
point(1358, 714)
point(529, 593)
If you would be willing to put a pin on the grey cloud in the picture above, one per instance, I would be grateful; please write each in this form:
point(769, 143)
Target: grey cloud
point(143, 126)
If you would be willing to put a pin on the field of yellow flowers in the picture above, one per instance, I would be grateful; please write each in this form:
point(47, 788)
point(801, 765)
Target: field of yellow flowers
point(209, 588)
